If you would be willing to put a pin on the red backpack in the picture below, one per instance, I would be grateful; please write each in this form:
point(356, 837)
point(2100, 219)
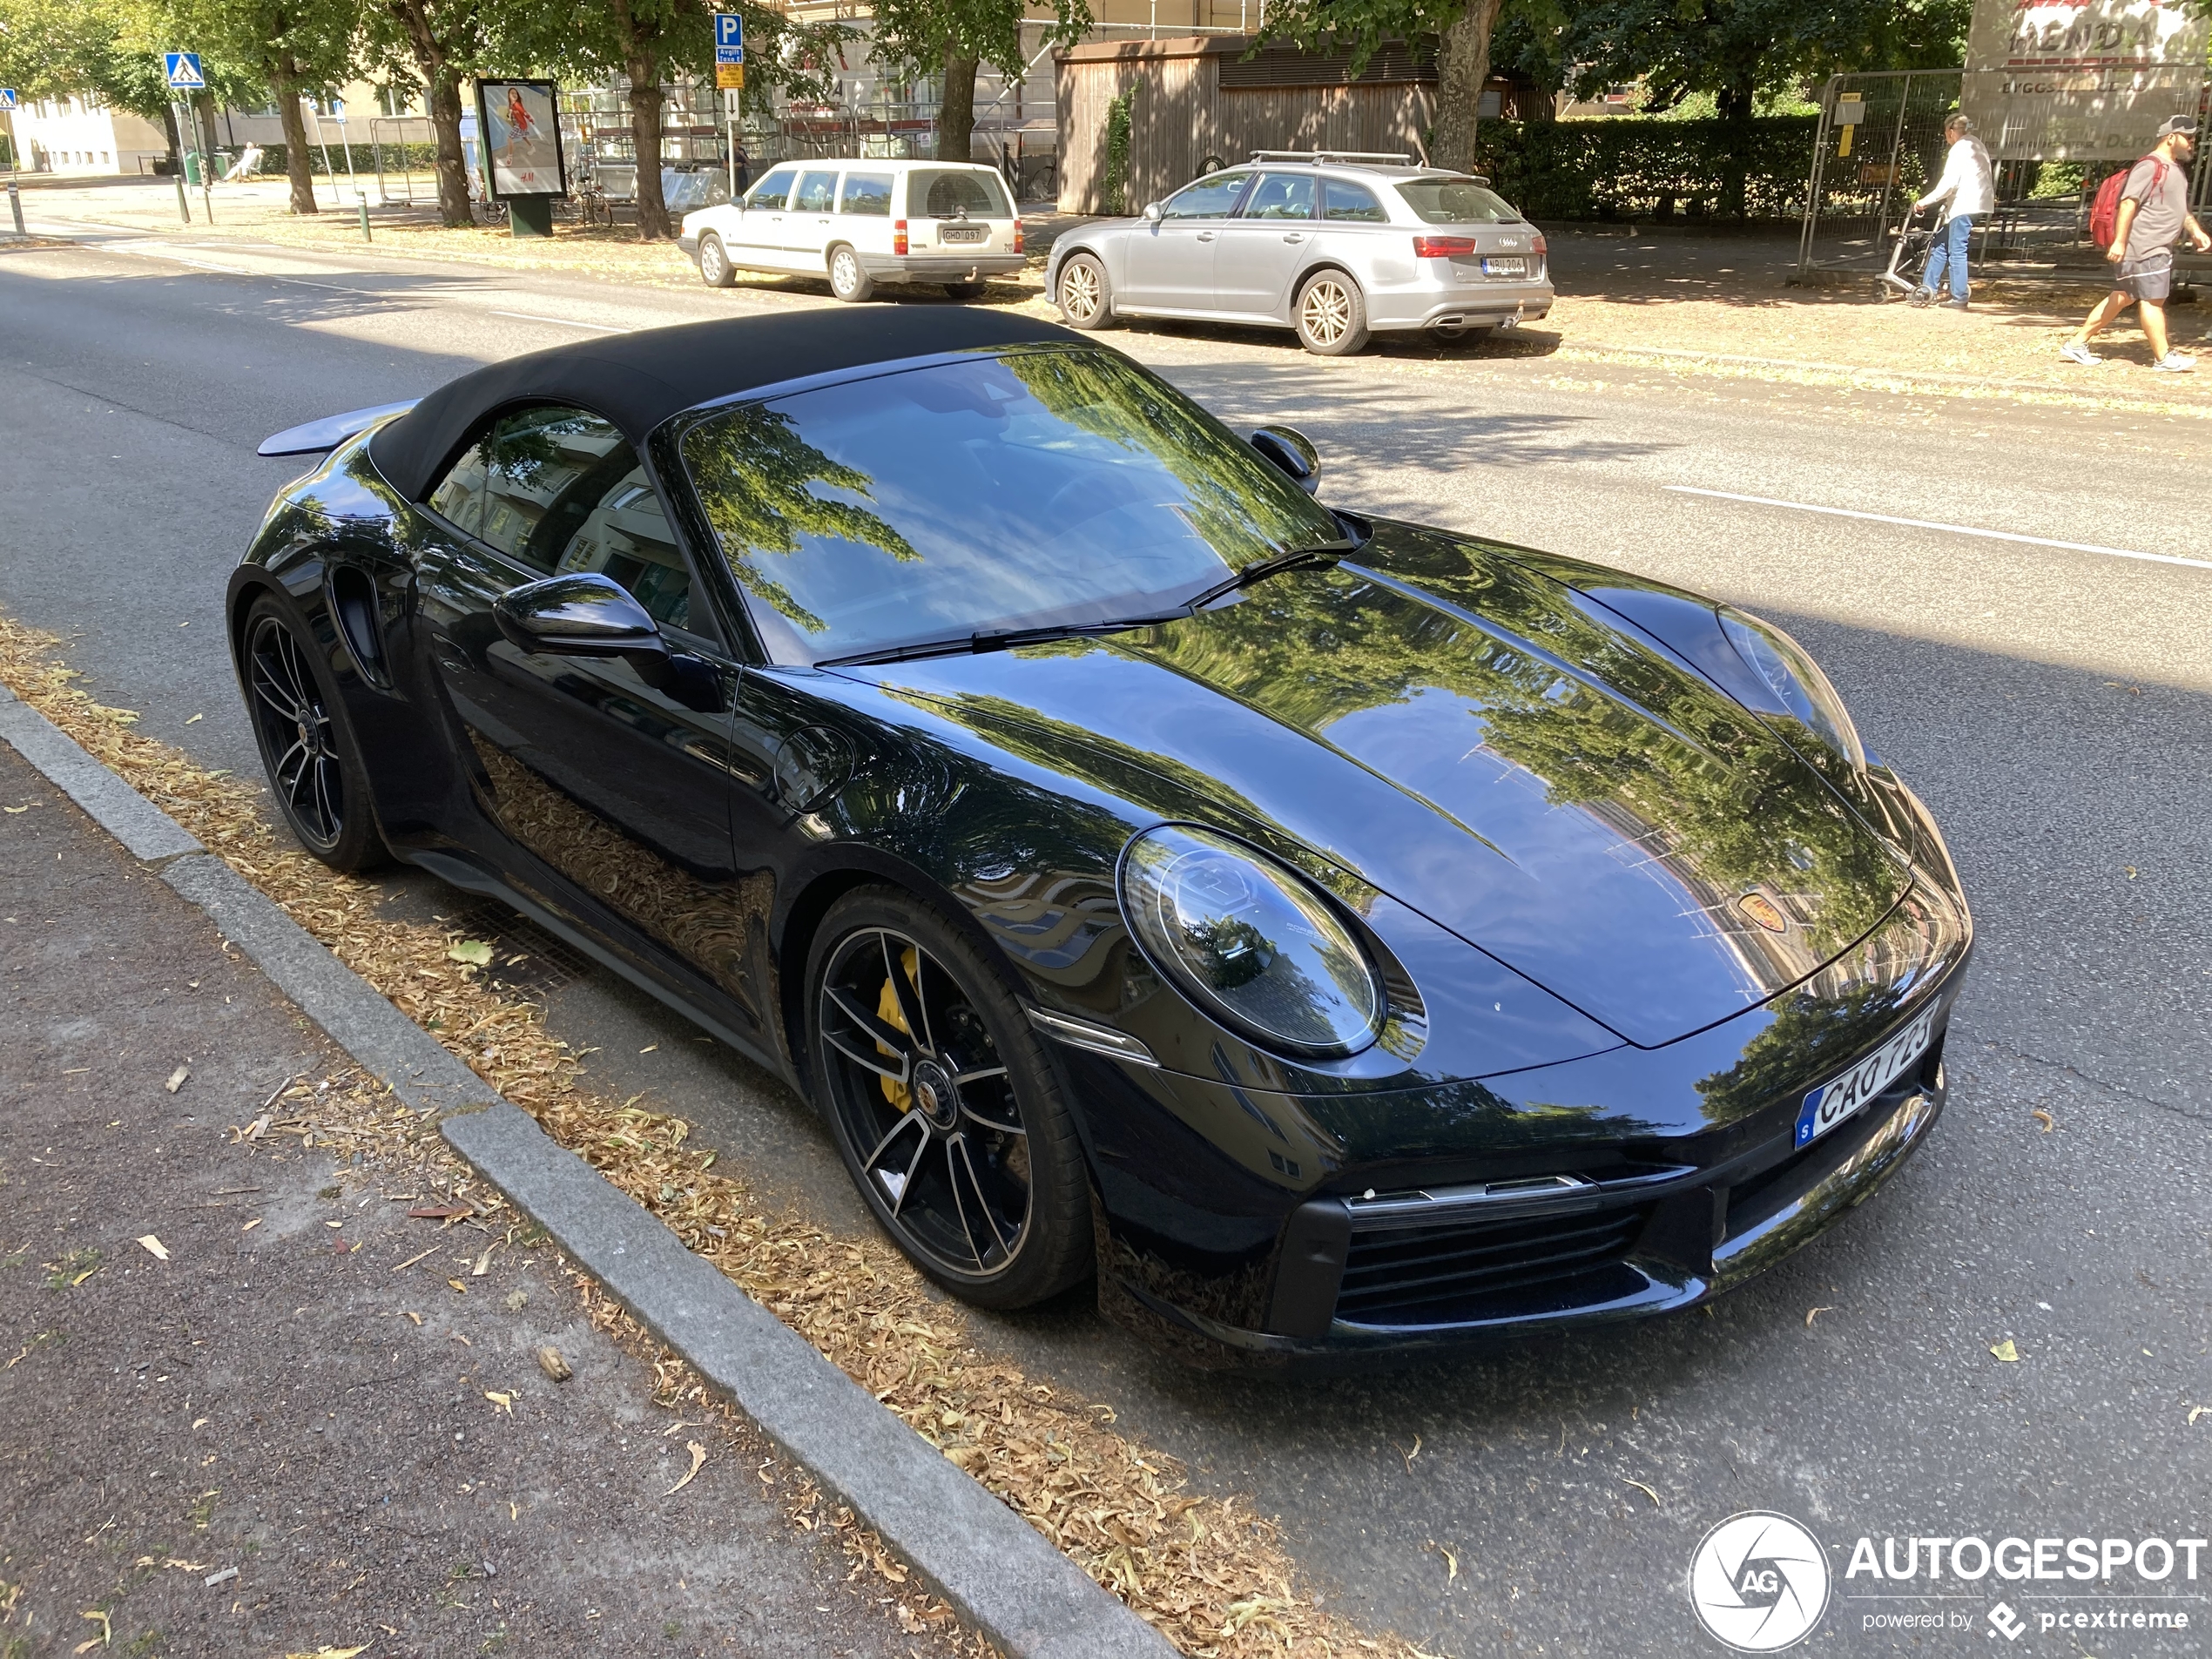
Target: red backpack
point(2104, 212)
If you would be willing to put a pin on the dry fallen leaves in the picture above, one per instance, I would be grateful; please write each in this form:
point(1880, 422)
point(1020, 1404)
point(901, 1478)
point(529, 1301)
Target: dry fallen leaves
point(2005, 1352)
point(1210, 1575)
point(1813, 1313)
point(176, 1079)
point(2043, 1118)
point(698, 1461)
point(501, 1401)
point(550, 1362)
point(153, 1247)
point(1648, 1491)
point(2196, 1412)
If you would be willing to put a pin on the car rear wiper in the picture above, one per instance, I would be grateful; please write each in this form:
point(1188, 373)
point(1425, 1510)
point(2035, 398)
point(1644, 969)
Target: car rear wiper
point(1260, 570)
point(997, 639)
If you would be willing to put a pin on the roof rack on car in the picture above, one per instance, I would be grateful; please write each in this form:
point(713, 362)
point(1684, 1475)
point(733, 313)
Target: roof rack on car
point(1388, 158)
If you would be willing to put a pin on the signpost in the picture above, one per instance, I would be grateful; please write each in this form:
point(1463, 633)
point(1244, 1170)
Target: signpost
point(15, 162)
point(184, 78)
point(729, 51)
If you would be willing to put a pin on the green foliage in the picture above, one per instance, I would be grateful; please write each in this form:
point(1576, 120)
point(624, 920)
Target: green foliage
point(919, 35)
point(1617, 168)
point(1736, 48)
point(1120, 115)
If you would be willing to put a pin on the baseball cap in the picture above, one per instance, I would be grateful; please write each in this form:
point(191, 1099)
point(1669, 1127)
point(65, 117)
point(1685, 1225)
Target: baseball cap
point(2184, 124)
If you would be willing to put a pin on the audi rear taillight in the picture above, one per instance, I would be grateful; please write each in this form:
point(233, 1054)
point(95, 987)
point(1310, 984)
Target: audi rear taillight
point(1538, 245)
point(1443, 247)
point(1017, 236)
point(899, 236)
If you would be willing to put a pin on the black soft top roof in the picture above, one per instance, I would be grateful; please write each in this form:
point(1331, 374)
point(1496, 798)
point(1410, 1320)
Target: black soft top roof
point(639, 379)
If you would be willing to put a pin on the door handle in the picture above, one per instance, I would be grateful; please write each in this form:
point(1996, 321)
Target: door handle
point(1294, 236)
point(1205, 236)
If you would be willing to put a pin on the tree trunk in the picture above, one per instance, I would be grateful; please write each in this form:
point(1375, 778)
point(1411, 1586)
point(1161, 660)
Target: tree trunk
point(956, 112)
point(441, 97)
point(175, 141)
point(645, 133)
point(1736, 106)
point(1465, 66)
point(284, 84)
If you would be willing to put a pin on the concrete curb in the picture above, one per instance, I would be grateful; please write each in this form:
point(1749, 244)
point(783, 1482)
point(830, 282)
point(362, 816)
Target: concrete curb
point(989, 1564)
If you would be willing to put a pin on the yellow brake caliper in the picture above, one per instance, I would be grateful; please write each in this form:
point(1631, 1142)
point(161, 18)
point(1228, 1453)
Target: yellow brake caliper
point(888, 1011)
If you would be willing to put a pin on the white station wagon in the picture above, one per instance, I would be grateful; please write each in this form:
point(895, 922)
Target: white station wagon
point(862, 222)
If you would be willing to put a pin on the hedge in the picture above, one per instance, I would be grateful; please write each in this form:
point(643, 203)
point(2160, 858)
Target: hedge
point(1624, 168)
point(421, 156)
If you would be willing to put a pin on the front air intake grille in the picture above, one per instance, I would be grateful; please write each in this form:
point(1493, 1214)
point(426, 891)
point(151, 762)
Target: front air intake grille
point(1455, 1273)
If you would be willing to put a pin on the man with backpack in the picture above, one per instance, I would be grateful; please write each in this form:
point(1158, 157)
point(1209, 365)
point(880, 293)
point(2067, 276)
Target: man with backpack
point(2138, 217)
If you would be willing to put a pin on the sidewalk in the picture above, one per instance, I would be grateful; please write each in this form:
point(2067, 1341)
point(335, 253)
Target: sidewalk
point(333, 1410)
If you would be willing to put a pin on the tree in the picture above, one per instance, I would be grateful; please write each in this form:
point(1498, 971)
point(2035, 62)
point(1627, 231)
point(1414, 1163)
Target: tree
point(108, 55)
point(441, 41)
point(1462, 30)
point(1736, 49)
point(290, 47)
point(955, 39)
point(648, 44)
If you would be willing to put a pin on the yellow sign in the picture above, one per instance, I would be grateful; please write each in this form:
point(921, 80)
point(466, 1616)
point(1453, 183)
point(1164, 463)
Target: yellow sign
point(728, 77)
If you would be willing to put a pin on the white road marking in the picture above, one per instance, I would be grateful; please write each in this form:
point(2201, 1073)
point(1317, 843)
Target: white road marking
point(565, 322)
point(1954, 530)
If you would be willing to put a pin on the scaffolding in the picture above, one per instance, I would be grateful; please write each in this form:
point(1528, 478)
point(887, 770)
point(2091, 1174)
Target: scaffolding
point(392, 142)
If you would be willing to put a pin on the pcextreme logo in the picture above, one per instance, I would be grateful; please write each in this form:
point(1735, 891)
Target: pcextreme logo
point(1758, 1581)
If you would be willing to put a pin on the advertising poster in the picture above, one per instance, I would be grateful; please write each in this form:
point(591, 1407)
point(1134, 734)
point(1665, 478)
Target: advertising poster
point(522, 139)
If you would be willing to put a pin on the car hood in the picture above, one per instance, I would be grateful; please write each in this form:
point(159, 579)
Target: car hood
point(1489, 747)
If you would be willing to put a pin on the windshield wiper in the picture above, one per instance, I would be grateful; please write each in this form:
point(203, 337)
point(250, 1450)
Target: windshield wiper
point(997, 639)
point(1260, 570)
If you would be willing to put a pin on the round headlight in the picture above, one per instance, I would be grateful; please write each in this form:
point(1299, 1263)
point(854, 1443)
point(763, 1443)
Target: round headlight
point(1249, 941)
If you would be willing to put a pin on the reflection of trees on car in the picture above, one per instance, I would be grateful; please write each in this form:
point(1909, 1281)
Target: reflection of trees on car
point(1234, 500)
point(756, 478)
point(1721, 798)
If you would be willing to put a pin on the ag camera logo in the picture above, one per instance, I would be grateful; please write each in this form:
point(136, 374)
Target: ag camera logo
point(1758, 1581)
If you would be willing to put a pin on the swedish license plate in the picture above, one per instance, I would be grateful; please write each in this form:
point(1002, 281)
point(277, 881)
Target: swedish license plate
point(1831, 1104)
point(1505, 268)
point(961, 234)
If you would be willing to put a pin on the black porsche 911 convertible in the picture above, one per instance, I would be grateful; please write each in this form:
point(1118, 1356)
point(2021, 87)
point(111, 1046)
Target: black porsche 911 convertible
point(1331, 933)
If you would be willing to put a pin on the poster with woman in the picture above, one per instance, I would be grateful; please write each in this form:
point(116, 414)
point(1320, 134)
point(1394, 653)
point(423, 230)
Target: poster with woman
point(522, 139)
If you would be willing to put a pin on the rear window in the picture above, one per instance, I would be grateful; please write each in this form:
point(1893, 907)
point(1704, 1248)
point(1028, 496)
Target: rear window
point(866, 193)
point(948, 194)
point(1357, 203)
point(1456, 201)
point(817, 193)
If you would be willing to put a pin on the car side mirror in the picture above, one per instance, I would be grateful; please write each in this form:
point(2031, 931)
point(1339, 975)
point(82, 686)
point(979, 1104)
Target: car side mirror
point(1293, 452)
point(583, 615)
point(1152, 213)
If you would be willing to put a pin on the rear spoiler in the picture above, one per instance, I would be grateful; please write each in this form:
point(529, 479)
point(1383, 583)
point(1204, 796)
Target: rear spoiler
point(317, 436)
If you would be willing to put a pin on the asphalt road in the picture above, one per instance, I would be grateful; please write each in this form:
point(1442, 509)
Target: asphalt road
point(2050, 703)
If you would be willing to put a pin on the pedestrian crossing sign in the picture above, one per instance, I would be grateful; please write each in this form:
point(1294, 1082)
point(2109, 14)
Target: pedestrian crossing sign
point(184, 72)
point(7, 97)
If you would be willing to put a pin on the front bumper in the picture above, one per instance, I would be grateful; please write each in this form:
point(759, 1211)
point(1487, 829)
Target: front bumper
point(689, 242)
point(1629, 1249)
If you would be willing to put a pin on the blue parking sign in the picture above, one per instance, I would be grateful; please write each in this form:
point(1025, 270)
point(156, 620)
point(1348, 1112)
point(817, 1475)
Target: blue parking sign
point(184, 72)
point(729, 38)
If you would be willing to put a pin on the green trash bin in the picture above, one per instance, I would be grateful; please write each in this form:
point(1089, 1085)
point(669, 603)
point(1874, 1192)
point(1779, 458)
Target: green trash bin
point(195, 167)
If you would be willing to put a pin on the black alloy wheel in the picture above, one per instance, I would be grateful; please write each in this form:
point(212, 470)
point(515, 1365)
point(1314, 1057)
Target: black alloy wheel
point(313, 768)
point(946, 1105)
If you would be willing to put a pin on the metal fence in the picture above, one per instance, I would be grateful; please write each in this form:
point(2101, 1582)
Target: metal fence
point(1880, 145)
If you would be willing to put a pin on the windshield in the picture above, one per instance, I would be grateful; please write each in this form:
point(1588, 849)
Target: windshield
point(946, 194)
point(1456, 201)
point(992, 493)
